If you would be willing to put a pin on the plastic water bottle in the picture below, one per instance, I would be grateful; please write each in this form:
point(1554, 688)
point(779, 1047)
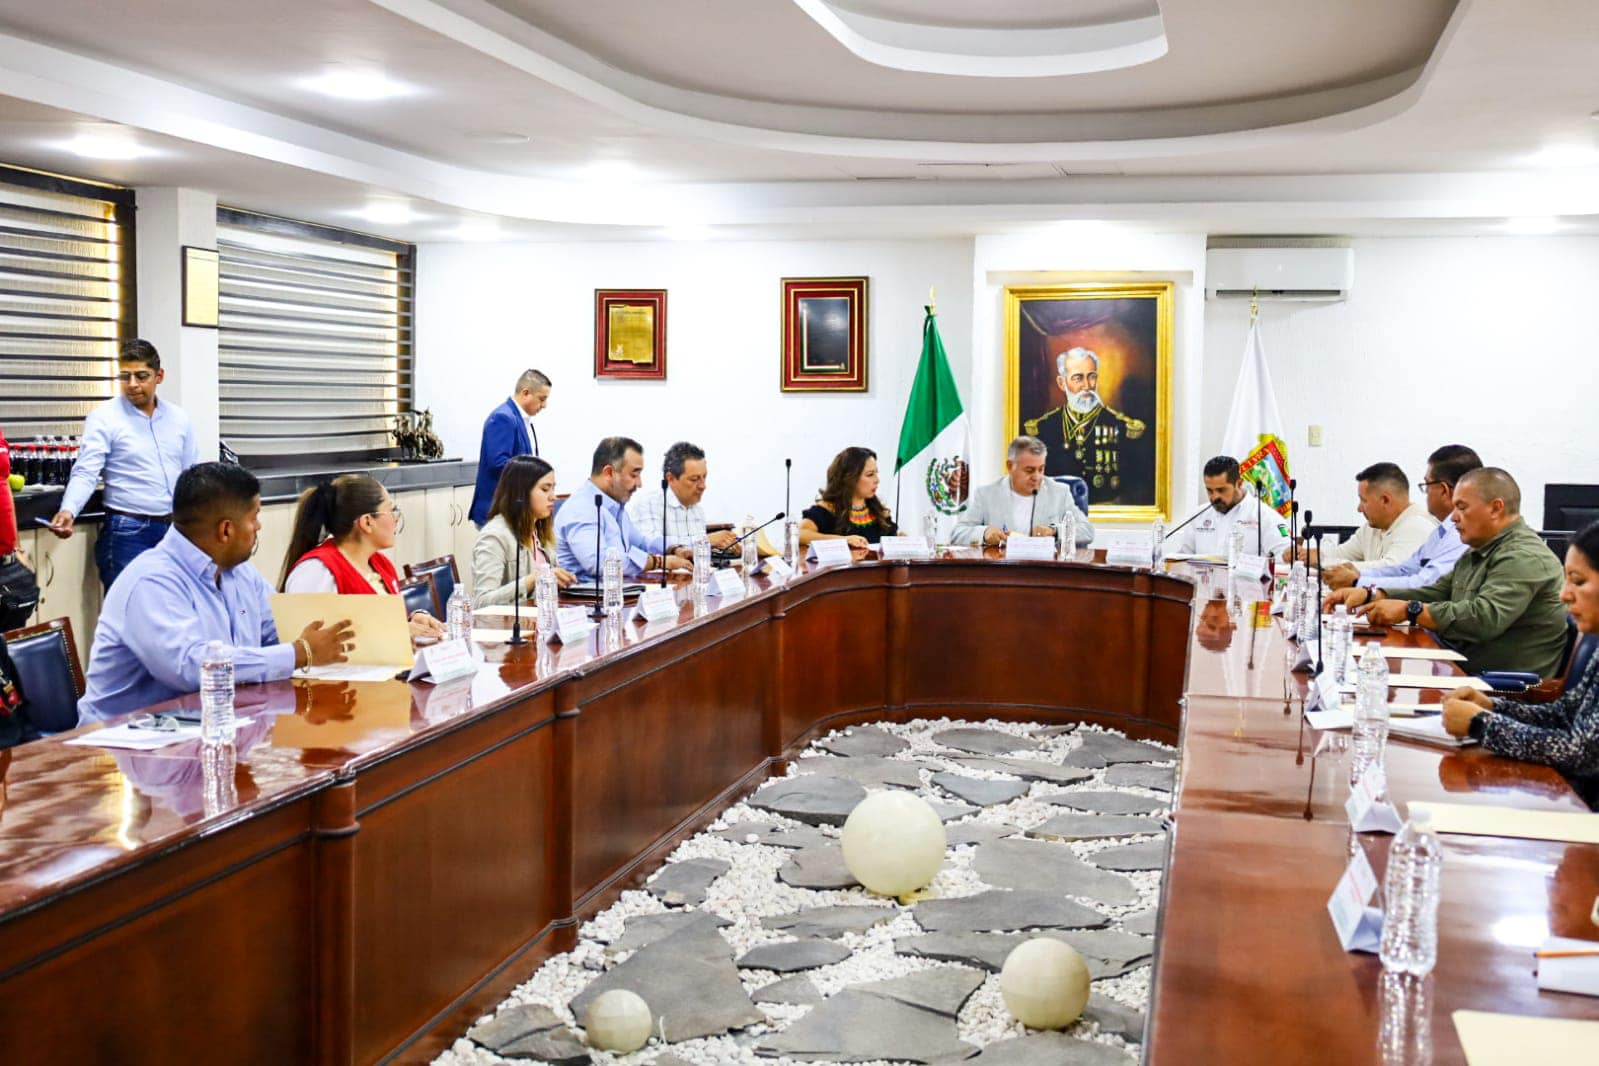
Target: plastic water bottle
point(1404, 1034)
point(219, 791)
point(217, 724)
point(1292, 599)
point(611, 580)
point(546, 596)
point(1066, 536)
point(1157, 544)
point(1309, 612)
point(1410, 895)
point(791, 544)
point(752, 552)
point(1371, 711)
point(458, 615)
point(1340, 632)
point(702, 561)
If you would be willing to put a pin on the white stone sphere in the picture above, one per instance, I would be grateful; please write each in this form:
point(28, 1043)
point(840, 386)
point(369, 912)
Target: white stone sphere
point(1044, 983)
point(618, 1020)
point(893, 843)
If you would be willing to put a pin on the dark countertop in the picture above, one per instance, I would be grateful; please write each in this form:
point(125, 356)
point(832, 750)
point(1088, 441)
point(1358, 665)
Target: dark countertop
point(277, 485)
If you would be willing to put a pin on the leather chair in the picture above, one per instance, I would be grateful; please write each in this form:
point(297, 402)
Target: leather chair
point(46, 658)
point(1582, 652)
point(444, 574)
point(1079, 490)
point(420, 595)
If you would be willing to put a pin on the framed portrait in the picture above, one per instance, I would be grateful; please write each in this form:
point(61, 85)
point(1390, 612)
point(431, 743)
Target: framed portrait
point(201, 287)
point(630, 334)
point(1088, 372)
point(824, 334)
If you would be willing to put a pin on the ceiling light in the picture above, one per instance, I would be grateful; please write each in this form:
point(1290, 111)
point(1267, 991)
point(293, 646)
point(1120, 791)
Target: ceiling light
point(104, 146)
point(387, 212)
point(345, 84)
point(612, 172)
point(1562, 156)
point(477, 229)
point(1532, 225)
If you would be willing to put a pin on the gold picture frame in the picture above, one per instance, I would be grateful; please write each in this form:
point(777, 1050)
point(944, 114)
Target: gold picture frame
point(1117, 436)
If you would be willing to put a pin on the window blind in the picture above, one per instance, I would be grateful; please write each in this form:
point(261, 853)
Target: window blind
point(314, 344)
point(66, 270)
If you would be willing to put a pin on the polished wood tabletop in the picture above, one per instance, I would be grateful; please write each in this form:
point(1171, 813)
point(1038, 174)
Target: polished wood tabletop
point(376, 863)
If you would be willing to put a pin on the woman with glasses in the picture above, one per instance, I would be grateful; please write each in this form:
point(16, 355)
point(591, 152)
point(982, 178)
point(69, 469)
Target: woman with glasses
point(340, 530)
point(522, 514)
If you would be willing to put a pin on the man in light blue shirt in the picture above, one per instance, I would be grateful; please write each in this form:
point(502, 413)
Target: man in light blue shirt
point(140, 446)
point(613, 478)
point(1442, 548)
point(196, 586)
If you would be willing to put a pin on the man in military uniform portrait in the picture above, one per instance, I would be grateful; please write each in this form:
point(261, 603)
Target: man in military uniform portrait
point(1089, 372)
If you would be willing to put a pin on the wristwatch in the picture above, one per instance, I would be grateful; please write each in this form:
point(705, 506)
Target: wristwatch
point(1477, 726)
point(1413, 611)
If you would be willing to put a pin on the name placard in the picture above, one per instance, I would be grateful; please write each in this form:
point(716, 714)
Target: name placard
point(1324, 693)
point(571, 624)
point(834, 551)
point(1036, 549)
point(1359, 927)
point(725, 583)
point(1129, 549)
point(905, 548)
point(658, 605)
point(1251, 566)
point(777, 568)
point(1368, 812)
point(444, 661)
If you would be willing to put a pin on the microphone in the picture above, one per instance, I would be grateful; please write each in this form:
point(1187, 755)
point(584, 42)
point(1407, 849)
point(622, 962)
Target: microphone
point(516, 597)
point(666, 543)
point(1185, 521)
point(1293, 519)
point(788, 486)
point(778, 517)
point(1032, 516)
point(598, 610)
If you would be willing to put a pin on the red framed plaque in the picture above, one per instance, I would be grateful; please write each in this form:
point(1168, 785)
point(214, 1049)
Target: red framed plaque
point(630, 334)
point(824, 334)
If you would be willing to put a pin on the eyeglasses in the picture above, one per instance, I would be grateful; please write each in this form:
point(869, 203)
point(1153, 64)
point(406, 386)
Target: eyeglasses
point(143, 377)
point(1425, 485)
point(399, 518)
point(160, 723)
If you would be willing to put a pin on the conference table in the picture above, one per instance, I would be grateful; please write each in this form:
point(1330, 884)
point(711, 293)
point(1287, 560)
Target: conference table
point(374, 865)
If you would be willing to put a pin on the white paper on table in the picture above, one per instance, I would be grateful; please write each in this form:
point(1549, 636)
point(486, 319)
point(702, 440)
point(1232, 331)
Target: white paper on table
point(1441, 655)
point(348, 672)
point(1368, 812)
point(1428, 730)
point(1036, 549)
point(904, 548)
point(1358, 926)
point(129, 738)
point(503, 610)
point(1435, 681)
point(658, 605)
point(1250, 566)
point(725, 583)
point(1579, 974)
point(831, 551)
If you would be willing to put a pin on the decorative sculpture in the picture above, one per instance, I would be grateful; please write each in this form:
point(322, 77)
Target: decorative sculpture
point(893, 843)
point(1044, 983)
point(618, 1021)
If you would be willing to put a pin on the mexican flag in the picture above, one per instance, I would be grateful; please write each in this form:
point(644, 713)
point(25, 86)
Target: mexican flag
point(935, 419)
point(1255, 426)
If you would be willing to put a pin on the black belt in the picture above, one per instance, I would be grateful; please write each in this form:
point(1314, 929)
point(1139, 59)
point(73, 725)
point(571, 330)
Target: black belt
point(7, 560)
point(141, 517)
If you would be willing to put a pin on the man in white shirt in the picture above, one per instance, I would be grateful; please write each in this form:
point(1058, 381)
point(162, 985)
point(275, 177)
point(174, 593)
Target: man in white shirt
point(1024, 501)
point(685, 470)
point(1232, 506)
point(1442, 548)
point(1394, 527)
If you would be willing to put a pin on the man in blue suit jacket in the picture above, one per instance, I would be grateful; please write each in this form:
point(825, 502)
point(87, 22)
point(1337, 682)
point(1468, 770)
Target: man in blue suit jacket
point(508, 431)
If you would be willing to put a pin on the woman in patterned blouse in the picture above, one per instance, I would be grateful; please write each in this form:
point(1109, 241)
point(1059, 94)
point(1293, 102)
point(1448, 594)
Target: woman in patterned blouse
point(848, 506)
point(1565, 733)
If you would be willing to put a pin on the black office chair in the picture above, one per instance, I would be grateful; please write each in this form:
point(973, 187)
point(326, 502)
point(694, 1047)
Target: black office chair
point(1557, 539)
point(419, 595)
point(46, 658)
point(444, 574)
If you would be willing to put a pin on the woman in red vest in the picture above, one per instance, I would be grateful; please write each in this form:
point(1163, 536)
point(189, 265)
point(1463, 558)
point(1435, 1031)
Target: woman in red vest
point(340, 530)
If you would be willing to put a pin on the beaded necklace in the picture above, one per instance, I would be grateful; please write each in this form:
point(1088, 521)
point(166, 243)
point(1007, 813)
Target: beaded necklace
point(861, 516)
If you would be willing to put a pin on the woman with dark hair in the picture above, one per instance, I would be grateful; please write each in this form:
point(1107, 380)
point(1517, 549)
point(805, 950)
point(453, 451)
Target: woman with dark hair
point(521, 520)
point(340, 530)
point(848, 507)
point(1564, 733)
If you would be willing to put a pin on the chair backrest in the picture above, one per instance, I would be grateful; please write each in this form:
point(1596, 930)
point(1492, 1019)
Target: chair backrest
point(1581, 654)
point(1557, 541)
point(1079, 490)
point(46, 658)
point(444, 575)
point(420, 595)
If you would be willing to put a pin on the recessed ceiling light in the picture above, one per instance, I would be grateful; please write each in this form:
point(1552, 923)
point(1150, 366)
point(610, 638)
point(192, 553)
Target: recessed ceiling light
point(1532, 225)
point(365, 85)
point(387, 212)
point(1568, 155)
point(105, 146)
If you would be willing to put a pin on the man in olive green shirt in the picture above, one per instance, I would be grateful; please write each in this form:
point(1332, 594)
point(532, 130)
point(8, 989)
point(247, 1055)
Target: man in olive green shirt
point(1501, 603)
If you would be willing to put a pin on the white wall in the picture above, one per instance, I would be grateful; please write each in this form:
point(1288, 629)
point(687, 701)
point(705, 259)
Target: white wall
point(486, 312)
point(1490, 342)
point(170, 218)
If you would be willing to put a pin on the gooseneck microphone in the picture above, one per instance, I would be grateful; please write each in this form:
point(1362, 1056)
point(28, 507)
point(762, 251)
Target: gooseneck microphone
point(666, 533)
point(598, 610)
point(1293, 520)
point(788, 486)
point(1032, 516)
point(1185, 521)
point(516, 597)
point(778, 517)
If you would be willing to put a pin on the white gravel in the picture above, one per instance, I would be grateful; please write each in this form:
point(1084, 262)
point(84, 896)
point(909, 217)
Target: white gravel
point(750, 891)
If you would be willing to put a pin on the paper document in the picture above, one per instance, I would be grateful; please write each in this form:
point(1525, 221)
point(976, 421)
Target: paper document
point(1472, 820)
point(348, 672)
point(1436, 681)
point(1427, 730)
point(1441, 655)
point(1571, 965)
point(1515, 1040)
point(131, 738)
point(381, 635)
point(502, 610)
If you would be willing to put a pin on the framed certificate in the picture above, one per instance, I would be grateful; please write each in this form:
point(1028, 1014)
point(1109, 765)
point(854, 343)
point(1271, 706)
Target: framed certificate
point(824, 334)
point(630, 334)
point(201, 287)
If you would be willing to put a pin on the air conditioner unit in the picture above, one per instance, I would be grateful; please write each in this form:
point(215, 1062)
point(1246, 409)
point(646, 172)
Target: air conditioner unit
point(1280, 273)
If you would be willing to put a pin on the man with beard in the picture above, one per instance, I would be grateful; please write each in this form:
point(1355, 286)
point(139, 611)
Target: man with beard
point(1232, 506)
point(1085, 437)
